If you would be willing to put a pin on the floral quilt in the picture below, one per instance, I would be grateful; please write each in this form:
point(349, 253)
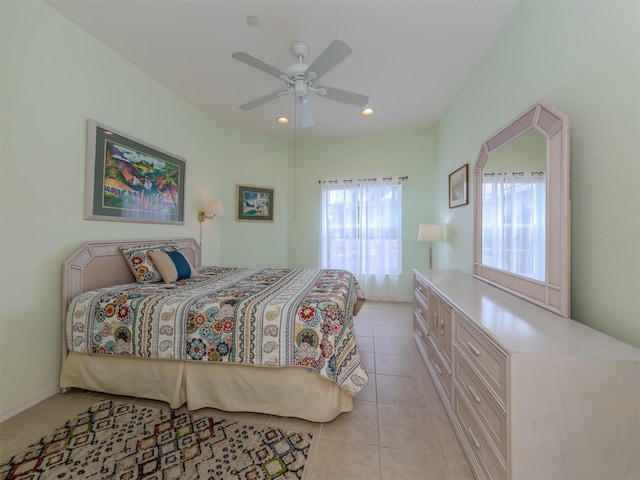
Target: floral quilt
point(272, 317)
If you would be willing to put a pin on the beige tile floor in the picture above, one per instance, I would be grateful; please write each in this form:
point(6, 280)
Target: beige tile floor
point(397, 430)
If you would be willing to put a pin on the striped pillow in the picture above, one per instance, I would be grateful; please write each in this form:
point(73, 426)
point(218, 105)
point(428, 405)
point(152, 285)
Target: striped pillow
point(173, 266)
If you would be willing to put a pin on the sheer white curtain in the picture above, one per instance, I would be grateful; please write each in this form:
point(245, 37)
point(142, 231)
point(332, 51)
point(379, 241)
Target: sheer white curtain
point(513, 223)
point(362, 232)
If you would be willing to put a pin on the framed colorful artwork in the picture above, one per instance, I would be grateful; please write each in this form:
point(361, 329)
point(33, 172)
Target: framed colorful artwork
point(254, 203)
point(128, 180)
point(458, 187)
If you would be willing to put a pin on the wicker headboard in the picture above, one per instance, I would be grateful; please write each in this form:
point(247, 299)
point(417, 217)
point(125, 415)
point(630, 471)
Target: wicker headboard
point(101, 264)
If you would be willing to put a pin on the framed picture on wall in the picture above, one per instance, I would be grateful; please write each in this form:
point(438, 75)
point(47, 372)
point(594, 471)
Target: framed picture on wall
point(128, 180)
point(458, 187)
point(254, 203)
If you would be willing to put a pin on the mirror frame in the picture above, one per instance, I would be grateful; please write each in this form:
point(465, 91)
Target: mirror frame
point(554, 293)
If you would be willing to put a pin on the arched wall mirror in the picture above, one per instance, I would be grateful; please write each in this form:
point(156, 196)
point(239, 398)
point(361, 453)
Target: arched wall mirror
point(522, 211)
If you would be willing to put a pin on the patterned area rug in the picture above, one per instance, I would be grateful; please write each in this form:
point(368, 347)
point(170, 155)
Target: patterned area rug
point(119, 441)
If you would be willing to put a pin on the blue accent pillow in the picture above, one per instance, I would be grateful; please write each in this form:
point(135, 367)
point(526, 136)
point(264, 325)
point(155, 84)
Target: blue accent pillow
point(172, 265)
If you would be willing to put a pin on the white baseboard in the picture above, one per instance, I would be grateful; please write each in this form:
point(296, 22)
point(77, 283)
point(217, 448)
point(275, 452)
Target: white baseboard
point(10, 412)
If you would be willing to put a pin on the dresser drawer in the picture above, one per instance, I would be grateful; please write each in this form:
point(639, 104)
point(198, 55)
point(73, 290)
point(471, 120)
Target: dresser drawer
point(420, 311)
point(479, 448)
point(419, 323)
point(420, 290)
point(484, 356)
point(443, 373)
point(420, 330)
point(491, 416)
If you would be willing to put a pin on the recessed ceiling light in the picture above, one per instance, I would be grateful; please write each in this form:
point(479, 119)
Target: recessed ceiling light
point(253, 21)
point(367, 111)
point(283, 120)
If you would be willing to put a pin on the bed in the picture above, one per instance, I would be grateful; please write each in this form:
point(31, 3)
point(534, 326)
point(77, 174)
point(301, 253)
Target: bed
point(280, 341)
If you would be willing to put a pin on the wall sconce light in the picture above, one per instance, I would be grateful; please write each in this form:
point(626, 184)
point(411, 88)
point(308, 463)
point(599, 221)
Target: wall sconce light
point(213, 209)
point(431, 233)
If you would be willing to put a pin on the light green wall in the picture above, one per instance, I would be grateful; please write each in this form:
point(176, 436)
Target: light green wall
point(258, 161)
point(54, 77)
point(583, 57)
point(408, 153)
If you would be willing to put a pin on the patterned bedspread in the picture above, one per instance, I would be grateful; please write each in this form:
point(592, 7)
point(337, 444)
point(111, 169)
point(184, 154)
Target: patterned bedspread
point(272, 317)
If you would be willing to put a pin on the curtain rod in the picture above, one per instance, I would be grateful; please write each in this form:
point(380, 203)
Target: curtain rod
point(351, 180)
point(520, 174)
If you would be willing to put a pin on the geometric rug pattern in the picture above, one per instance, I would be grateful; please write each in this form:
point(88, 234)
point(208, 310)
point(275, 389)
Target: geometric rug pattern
point(122, 441)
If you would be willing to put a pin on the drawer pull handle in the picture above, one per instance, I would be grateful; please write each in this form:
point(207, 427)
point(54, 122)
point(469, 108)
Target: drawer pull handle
point(420, 311)
point(473, 393)
point(473, 437)
point(473, 348)
point(438, 369)
point(420, 288)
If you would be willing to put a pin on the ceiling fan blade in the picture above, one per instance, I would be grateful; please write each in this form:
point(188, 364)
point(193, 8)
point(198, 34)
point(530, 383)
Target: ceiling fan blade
point(344, 96)
point(305, 113)
point(257, 63)
point(332, 56)
point(262, 100)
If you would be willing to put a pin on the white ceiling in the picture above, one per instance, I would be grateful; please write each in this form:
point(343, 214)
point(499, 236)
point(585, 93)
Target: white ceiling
point(410, 57)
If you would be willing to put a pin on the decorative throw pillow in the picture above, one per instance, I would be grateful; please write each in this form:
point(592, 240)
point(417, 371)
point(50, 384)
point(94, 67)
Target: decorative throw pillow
point(172, 265)
point(140, 262)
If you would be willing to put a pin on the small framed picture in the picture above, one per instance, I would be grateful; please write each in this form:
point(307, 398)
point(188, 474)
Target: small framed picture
point(254, 203)
point(458, 187)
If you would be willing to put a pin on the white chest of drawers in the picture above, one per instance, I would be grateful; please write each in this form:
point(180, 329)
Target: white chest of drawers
point(530, 394)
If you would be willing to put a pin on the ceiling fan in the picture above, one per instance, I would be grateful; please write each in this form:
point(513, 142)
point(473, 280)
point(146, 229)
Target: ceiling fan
point(301, 79)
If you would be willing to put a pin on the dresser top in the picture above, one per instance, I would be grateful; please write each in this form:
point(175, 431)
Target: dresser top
point(521, 326)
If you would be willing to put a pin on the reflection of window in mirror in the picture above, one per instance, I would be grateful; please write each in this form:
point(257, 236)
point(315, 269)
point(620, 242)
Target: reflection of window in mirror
point(514, 206)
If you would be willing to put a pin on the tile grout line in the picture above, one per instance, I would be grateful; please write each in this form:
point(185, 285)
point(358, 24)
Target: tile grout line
point(378, 423)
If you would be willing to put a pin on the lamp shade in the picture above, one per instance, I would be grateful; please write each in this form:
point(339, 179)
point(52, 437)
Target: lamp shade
point(214, 209)
point(431, 233)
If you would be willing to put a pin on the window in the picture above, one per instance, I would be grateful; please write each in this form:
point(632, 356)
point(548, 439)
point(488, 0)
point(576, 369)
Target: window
point(362, 227)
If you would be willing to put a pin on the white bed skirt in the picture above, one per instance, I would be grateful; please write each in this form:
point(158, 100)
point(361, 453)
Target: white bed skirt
point(283, 391)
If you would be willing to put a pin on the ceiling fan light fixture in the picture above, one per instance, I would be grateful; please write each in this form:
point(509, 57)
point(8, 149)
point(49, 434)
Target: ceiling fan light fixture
point(305, 114)
point(301, 87)
point(368, 111)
